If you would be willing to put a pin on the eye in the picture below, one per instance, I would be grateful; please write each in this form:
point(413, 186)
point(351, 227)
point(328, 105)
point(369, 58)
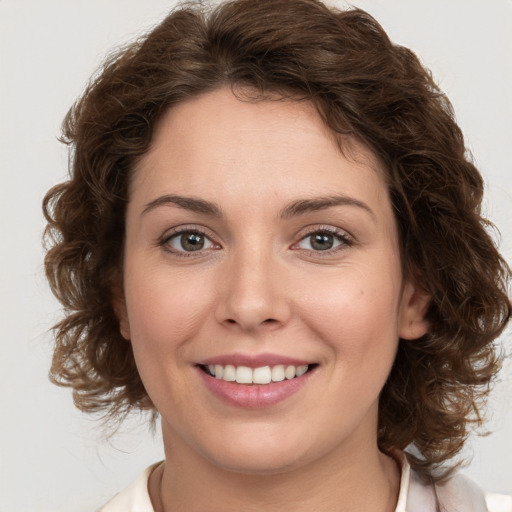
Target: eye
point(188, 241)
point(323, 240)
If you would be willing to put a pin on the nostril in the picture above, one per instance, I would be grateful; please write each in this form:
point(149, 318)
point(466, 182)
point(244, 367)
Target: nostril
point(267, 321)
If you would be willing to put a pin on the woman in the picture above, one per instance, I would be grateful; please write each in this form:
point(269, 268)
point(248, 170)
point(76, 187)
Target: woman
point(272, 237)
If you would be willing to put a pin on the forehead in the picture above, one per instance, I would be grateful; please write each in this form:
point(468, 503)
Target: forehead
point(219, 144)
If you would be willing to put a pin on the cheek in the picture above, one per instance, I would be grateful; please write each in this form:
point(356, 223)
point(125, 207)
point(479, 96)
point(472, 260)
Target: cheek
point(357, 313)
point(159, 311)
point(162, 324)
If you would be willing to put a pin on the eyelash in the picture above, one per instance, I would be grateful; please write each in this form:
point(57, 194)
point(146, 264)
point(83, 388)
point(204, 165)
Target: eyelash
point(164, 242)
point(341, 236)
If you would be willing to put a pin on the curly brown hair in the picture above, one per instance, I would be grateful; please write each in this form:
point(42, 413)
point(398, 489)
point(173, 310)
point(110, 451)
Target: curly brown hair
point(362, 85)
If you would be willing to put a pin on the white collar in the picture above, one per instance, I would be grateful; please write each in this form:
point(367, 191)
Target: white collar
point(458, 493)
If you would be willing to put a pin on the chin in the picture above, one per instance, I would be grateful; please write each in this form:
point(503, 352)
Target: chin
point(261, 454)
point(257, 463)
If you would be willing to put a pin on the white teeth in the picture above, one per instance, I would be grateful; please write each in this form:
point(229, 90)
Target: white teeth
point(278, 373)
point(229, 373)
point(301, 370)
point(261, 375)
point(243, 375)
point(289, 372)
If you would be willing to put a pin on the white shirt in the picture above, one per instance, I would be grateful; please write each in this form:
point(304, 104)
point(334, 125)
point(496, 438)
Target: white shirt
point(458, 494)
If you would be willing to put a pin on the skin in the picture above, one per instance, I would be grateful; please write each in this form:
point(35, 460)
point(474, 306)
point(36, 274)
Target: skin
point(258, 285)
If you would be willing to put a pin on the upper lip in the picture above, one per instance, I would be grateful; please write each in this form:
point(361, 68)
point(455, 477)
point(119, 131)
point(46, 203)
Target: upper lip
point(253, 360)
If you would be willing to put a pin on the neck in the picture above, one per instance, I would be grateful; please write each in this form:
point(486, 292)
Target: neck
point(339, 481)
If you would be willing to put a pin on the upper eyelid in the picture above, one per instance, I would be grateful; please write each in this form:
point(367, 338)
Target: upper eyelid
point(346, 240)
point(300, 235)
point(324, 228)
point(177, 230)
point(163, 240)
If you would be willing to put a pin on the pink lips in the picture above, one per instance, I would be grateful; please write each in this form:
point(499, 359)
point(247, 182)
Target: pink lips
point(253, 395)
point(253, 361)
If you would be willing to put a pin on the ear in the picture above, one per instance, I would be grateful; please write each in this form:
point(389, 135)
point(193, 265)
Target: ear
point(119, 305)
point(413, 308)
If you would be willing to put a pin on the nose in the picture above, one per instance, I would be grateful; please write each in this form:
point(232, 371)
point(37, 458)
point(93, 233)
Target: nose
point(251, 292)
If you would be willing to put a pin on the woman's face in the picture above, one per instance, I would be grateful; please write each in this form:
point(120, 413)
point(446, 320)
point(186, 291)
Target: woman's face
point(255, 248)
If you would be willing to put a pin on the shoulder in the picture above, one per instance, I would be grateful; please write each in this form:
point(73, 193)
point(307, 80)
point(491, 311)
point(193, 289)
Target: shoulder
point(459, 493)
point(135, 497)
point(456, 494)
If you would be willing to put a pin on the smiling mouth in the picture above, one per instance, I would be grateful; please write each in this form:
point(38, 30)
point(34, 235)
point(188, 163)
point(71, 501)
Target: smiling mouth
point(261, 375)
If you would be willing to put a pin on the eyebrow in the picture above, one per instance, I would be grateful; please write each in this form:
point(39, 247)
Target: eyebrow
point(187, 203)
point(303, 206)
point(296, 208)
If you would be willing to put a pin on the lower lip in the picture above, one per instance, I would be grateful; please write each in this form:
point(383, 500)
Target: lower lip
point(254, 395)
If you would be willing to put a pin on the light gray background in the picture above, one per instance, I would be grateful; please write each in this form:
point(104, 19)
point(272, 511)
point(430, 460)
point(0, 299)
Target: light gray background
point(52, 457)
